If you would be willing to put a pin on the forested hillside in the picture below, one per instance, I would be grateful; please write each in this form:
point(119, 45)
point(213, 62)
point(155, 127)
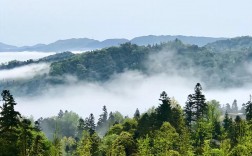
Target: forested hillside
point(222, 64)
point(200, 128)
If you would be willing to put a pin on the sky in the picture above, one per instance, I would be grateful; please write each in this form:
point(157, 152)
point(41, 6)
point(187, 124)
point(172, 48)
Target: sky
point(28, 22)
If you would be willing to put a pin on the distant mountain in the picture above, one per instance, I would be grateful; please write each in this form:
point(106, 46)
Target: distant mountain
point(83, 44)
point(234, 44)
point(6, 47)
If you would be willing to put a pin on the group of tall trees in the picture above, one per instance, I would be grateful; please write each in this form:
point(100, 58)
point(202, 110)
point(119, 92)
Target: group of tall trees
point(18, 136)
point(198, 129)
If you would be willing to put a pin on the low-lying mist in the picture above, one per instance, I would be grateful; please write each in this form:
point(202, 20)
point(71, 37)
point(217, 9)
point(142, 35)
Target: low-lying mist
point(22, 56)
point(124, 92)
point(24, 72)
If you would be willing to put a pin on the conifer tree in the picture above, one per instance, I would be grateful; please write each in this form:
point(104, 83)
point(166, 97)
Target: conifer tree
point(227, 122)
point(103, 118)
point(91, 124)
point(164, 111)
point(234, 107)
point(9, 118)
point(189, 111)
point(196, 107)
point(137, 114)
point(248, 110)
point(9, 123)
point(199, 101)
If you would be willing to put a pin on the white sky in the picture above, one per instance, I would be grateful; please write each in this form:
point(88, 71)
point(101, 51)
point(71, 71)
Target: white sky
point(27, 22)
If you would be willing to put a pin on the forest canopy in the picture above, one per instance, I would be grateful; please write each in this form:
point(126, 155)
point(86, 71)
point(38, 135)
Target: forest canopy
point(200, 128)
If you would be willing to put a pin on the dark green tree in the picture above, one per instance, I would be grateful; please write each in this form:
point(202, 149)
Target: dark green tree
point(137, 114)
point(9, 124)
point(234, 107)
point(248, 110)
point(26, 137)
point(189, 111)
point(238, 131)
point(227, 122)
point(164, 111)
point(91, 124)
point(199, 101)
point(103, 118)
point(81, 127)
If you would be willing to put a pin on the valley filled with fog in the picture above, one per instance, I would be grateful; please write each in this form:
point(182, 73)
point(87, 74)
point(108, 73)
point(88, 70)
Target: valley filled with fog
point(123, 92)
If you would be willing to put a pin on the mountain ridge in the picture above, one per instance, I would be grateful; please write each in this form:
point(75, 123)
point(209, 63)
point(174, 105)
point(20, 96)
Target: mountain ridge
point(80, 44)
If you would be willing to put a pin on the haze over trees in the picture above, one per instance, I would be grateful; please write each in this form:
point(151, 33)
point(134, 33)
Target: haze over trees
point(200, 128)
point(226, 61)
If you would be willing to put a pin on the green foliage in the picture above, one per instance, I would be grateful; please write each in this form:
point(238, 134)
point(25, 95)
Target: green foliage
point(144, 147)
point(116, 129)
point(85, 145)
point(165, 139)
point(224, 60)
point(124, 145)
point(9, 125)
point(248, 109)
point(196, 107)
point(106, 144)
point(161, 131)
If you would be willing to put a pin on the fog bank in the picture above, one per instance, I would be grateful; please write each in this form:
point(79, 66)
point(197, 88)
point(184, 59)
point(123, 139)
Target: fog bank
point(24, 72)
point(124, 93)
point(22, 56)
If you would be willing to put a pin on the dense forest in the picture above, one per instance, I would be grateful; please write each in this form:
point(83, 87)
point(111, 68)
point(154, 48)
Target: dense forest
point(200, 128)
point(221, 64)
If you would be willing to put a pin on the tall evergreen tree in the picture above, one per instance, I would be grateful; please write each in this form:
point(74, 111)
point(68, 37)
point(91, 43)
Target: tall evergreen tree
point(9, 123)
point(189, 111)
point(228, 108)
point(103, 118)
point(81, 127)
point(164, 111)
point(137, 114)
point(248, 110)
point(91, 124)
point(234, 107)
point(9, 118)
point(199, 101)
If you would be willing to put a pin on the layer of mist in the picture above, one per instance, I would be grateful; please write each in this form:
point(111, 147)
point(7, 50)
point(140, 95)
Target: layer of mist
point(22, 56)
point(123, 92)
point(24, 72)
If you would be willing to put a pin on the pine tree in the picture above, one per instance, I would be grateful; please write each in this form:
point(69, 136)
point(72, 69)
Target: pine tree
point(228, 108)
point(227, 122)
point(111, 119)
point(248, 110)
point(164, 112)
point(234, 107)
point(9, 118)
point(189, 111)
point(199, 101)
point(91, 124)
point(60, 114)
point(9, 123)
point(103, 118)
point(137, 114)
point(81, 127)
